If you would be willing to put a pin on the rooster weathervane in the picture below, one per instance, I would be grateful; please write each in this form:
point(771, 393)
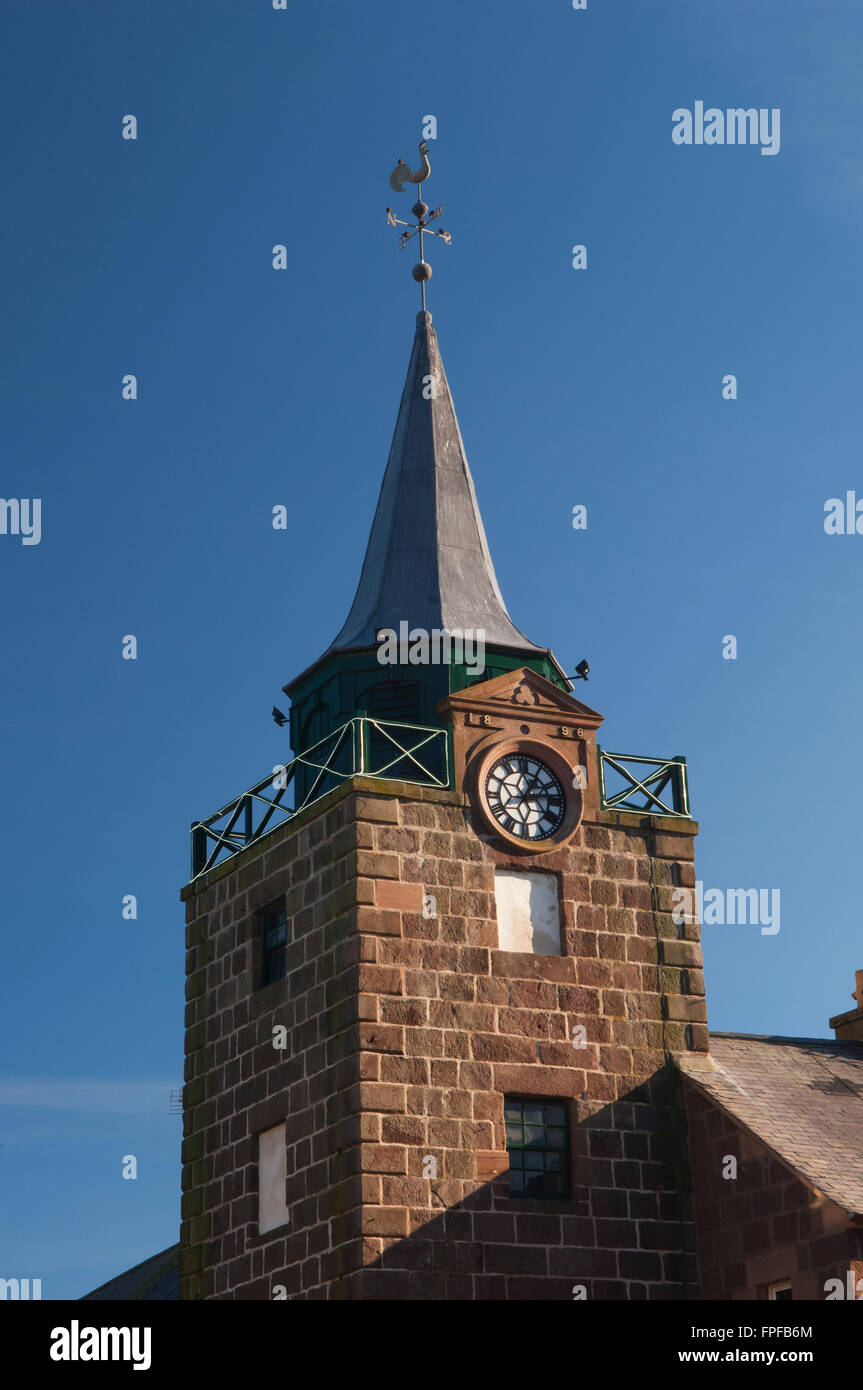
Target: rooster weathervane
point(401, 175)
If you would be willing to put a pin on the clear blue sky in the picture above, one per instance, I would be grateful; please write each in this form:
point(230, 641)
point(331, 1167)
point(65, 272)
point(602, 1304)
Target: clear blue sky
point(257, 388)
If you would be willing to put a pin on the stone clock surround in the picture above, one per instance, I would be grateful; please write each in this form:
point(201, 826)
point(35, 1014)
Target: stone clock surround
point(523, 712)
point(521, 706)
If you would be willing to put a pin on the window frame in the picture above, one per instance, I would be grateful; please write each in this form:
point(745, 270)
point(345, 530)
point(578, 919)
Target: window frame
point(566, 1174)
point(780, 1286)
point(277, 908)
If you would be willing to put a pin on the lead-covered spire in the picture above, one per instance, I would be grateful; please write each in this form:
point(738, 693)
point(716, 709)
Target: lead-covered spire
point(427, 560)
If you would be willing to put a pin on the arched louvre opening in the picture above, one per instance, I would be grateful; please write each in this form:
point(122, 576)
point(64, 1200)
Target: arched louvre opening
point(315, 739)
point(396, 702)
point(315, 727)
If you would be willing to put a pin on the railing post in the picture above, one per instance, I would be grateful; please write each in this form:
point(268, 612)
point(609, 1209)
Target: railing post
point(681, 787)
point(199, 848)
point(361, 745)
point(247, 818)
point(600, 770)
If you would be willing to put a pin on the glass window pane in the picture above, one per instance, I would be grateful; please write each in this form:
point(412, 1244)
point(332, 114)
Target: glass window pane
point(275, 965)
point(538, 1143)
point(274, 929)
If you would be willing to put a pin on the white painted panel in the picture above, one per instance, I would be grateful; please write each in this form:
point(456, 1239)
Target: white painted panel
point(272, 1172)
point(528, 916)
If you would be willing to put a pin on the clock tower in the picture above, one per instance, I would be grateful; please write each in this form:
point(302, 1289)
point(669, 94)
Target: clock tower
point(427, 570)
point(435, 983)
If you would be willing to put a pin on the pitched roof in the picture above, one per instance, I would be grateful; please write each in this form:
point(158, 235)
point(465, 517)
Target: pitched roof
point(153, 1281)
point(427, 560)
point(802, 1097)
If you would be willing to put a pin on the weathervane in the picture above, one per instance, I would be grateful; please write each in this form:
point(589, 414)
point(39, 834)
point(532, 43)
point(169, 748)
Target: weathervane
point(401, 175)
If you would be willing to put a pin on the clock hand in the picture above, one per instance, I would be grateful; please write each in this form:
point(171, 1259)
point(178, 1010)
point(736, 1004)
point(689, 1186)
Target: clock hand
point(534, 784)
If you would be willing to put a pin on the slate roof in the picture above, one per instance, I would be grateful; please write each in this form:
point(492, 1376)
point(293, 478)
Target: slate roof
point(154, 1280)
point(802, 1097)
point(427, 560)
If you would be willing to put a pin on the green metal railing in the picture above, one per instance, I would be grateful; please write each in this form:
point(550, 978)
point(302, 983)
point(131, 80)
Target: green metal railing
point(361, 747)
point(662, 786)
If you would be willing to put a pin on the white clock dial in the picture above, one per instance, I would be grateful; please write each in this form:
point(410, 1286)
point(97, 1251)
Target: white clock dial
point(524, 796)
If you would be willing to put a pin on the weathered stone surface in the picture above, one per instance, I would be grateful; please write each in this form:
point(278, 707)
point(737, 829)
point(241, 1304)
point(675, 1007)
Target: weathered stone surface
point(404, 1034)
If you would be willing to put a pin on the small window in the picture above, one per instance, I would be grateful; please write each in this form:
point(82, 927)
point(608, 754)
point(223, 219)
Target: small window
point(775, 1292)
point(272, 1175)
point(537, 1141)
point(528, 912)
point(274, 934)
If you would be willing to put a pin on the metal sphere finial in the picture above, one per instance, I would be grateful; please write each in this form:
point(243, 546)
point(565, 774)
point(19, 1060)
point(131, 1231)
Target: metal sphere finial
point(401, 175)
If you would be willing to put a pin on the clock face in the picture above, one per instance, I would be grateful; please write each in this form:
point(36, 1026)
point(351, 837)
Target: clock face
point(524, 796)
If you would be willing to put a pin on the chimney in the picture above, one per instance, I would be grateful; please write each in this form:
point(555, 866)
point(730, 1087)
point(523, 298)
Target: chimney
point(849, 1027)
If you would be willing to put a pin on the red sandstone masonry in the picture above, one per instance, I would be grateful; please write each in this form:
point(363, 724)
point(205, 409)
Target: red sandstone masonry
point(406, 1032)
point(765, 1225)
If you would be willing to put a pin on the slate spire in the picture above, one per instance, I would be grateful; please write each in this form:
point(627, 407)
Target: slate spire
point(427, 560)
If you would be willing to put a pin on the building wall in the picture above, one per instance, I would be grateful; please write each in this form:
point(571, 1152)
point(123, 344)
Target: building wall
point(765, 1225)
point(238, 1084)
point(406, 1031)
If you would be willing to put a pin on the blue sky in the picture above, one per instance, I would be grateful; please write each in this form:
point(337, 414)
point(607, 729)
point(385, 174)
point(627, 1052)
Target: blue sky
point(259, 388)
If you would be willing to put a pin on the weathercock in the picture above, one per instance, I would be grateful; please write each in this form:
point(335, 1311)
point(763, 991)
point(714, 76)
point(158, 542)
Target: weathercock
point(402, 174)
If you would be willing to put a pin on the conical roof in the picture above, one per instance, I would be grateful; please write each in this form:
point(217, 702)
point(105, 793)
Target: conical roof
point(427, 560)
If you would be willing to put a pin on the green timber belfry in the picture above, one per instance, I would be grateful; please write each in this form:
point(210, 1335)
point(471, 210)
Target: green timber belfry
point(427, 564)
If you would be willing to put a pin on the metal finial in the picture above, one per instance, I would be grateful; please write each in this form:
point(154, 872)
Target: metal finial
point(401, 175)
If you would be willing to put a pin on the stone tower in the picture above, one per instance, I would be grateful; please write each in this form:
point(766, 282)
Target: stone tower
point(434, 978)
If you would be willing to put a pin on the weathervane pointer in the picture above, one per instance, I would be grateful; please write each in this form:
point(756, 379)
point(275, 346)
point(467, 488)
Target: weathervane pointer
point(402, 174)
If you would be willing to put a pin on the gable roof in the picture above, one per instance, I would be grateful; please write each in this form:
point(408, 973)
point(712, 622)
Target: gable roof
point(802, 1097)
point(155, 1280)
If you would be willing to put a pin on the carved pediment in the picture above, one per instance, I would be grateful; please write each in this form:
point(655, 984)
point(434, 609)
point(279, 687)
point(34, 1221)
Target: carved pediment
point(522, 710)
point(522, 692)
